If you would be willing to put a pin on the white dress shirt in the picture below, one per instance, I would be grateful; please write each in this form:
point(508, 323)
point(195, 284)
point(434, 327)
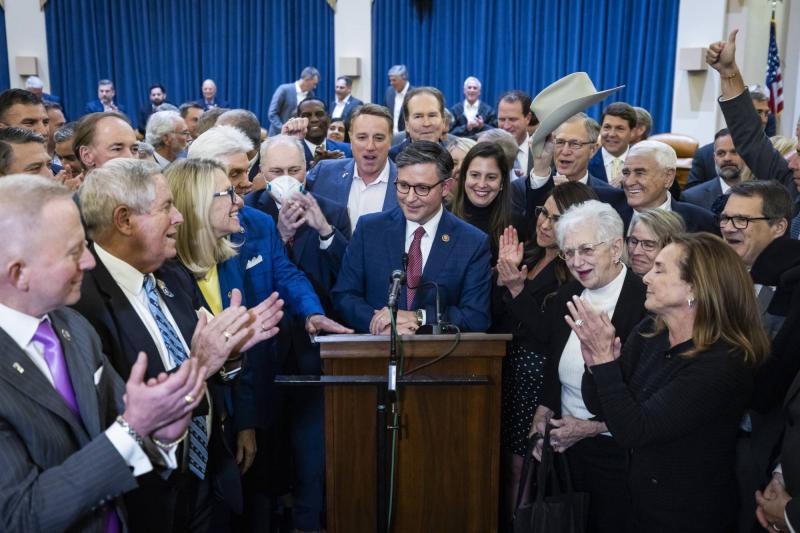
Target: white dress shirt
point(21, 328)
point(666, 206)
point(338, 109)
point(522, 155)
point(161, 160)
point(365, 199)
point(723, 185)
point(426, 243)
point(299, 93)
point(571, 365)
point(398, 107)
point(471, 110)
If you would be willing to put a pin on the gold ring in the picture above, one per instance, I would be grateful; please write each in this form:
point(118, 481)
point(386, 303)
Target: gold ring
point(227, 334)
point(189, 398)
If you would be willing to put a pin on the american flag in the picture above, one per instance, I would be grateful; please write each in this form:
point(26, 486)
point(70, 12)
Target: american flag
point(774, 78)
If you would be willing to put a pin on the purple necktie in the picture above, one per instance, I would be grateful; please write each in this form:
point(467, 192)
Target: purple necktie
point(54, 358)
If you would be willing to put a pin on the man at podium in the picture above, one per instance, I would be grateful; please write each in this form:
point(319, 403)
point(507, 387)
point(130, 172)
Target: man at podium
point(442, 256)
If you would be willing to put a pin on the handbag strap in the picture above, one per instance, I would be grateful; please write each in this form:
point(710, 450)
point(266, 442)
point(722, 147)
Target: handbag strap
point(527, 461)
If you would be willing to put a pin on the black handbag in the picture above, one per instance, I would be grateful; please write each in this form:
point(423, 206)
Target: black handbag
point(557, 507)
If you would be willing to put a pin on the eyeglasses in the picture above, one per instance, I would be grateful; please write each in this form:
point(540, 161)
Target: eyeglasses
point(541, 211)
point(647, 245)
point(419, 189)
point(573, 144)
point(230, 191)
point(584, 250)
point(738, 221)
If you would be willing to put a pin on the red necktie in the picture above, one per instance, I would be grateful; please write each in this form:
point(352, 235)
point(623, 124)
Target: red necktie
point(414, 270)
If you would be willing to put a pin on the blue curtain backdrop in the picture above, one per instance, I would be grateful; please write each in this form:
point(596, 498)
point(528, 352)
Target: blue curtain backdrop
point(5, 81)
point(248, 47)
point(528, 44)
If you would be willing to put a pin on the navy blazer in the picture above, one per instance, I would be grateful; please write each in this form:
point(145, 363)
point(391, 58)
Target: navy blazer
point(459, 125)
point(694, 217)
point(351, 104)
point(216, 103)
point(524, 199)
point(333, 178)
point(459, 262)
point(703, 168)
point(320, 266)
point(753, 145)
point(597, 166)
point(96, 106)
point(329, 146)
point(704, 194)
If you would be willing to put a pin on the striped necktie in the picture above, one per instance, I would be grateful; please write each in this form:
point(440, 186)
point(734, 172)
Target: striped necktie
point(198, 435)
point(795, 229)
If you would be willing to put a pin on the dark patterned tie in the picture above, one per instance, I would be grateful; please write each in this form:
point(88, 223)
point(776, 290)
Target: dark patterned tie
point(795, 229)
point(414, 270)
point(198, 436)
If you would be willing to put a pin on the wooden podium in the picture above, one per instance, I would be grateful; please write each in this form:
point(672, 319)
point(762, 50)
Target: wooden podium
point(448, 456)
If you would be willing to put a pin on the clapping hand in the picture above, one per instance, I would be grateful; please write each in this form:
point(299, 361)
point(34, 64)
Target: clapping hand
point(162, 406)
point(291, 217)
point(509, 258)
point(599, 343)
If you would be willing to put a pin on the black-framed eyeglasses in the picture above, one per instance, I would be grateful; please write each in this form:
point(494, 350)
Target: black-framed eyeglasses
point(419, 189)
point(541, 211)
point(738, 221)
point(647, 245)
point(572, 143)
point(230, 191)
point(584, 250)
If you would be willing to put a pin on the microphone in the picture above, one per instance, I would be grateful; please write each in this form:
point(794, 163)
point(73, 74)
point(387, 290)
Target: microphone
point(440, 326)
point(397, 280)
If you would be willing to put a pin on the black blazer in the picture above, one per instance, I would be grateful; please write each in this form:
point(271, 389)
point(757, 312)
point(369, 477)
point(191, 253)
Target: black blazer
point(551, 330)
point(459, 125)
point(123, 336)
point(704, 194)
point(703, 168)
point(389, 102)
point(679, 416)
point(790, 459)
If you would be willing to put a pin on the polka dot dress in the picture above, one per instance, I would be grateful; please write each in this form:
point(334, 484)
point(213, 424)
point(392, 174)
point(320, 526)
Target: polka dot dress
point(523, 384)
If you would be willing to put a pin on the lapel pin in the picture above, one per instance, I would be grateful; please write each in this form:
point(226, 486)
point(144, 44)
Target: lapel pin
point(163, 287)
point(445, 238)
point(18, 367)
point(65, 334)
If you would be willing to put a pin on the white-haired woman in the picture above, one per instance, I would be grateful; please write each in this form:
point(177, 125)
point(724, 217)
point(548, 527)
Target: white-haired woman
point(591, 242)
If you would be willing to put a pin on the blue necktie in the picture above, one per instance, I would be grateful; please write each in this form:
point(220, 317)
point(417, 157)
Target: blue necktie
point(198, 436)
point(795, 229)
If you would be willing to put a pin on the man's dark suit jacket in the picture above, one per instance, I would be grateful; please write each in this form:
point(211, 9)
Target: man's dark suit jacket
point(459, 262)
point(351, 104)
point(703, 168)
point(389, 102)
point(694, 217)
point(703, 195)
point(283, 104)
point(459, 125)
point(753, 145)
point(525, 200)
point(597, 166)
point(96, 106)
point(60, 473)
point(211, 105)
point(333, 178)
point(123, 336)
point(397, 148)
point(144, 115)
point(329, 146)
point(790, 459)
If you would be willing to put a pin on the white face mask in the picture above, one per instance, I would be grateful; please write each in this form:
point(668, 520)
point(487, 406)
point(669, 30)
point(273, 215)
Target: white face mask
point(283, 187)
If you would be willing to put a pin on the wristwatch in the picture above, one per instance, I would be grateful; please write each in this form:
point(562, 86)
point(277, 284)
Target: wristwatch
point(420, 317)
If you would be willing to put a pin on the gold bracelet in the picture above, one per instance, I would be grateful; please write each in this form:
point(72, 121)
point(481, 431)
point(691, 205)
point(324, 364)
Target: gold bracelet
point(731, 76)
point(167, 446)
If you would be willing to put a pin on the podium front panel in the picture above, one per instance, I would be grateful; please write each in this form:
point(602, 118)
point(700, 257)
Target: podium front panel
point(449, 444)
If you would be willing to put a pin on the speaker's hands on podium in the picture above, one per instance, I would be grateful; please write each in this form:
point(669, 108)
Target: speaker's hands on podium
point(381, 323)
point(316, 324)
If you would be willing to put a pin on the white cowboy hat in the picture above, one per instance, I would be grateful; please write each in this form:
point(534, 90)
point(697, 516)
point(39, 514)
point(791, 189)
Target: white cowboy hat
point(559, 101)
